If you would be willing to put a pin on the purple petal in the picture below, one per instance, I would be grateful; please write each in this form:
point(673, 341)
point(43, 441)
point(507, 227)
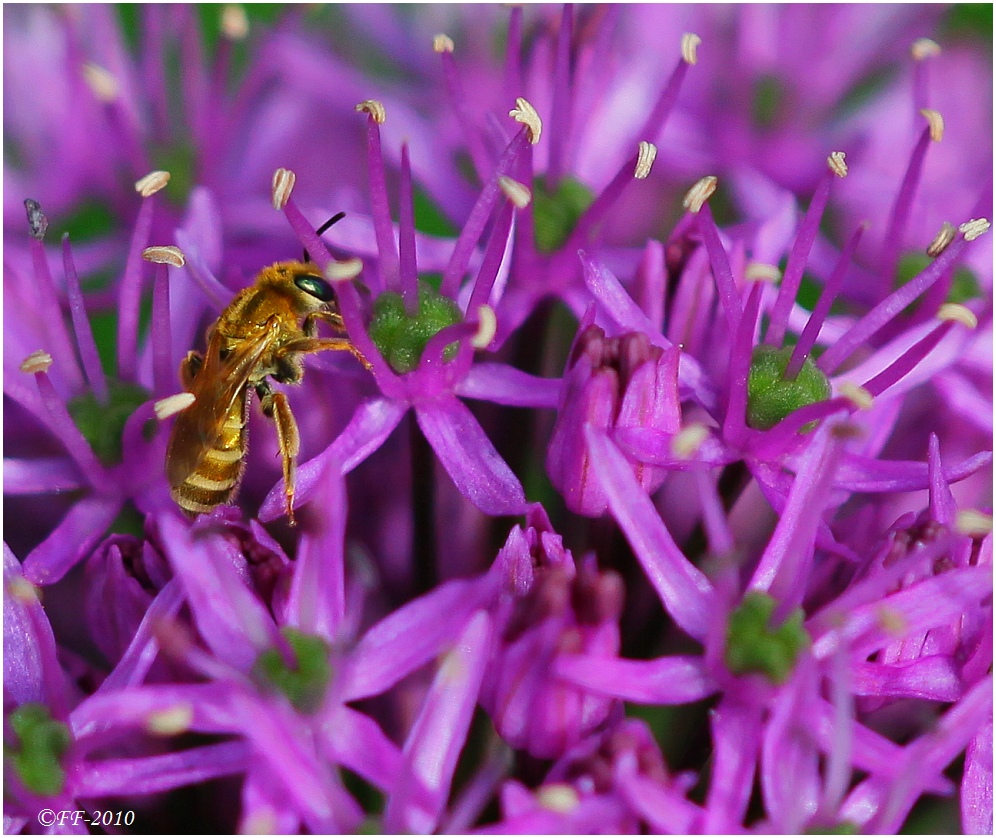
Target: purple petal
point(682, 587)
point(736, 736)
point(437, 737)
point(357, 742)
point(40, 476)
point(72, 540)
point(411, 636)
point(502, 384)
point(469, 458)
point(149, 775)
point(977, 784)
point(933, 677)
point(370, 425)
point(668, 680)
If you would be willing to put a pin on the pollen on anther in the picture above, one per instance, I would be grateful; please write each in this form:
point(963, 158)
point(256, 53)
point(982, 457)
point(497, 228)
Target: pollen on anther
point(170, 721)
point(21, 589)
point(973, 522)
point(518, 193)
point(283, 185)
point(487, 327)
point(103, 84)
point(974, 228)
point(37, 222)
point(645, 157)
point(923, 48)
point(836, 163)
point(234, 23)
point(526, 114)
point(857, 395)
point(959, 314)
point(686, 443)
point(151, 183)
point(762, 272)
point(936, 123)
point(689, 47)
point(558, 797)
point(343, 271)
point(373, 107)
point(941, 241)
point(165, 254)
point(164, 408)
point(37, 361)
point(700, 193)
point(442, 43)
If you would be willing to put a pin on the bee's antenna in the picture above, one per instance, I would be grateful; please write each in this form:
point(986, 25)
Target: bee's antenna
point(337, 217)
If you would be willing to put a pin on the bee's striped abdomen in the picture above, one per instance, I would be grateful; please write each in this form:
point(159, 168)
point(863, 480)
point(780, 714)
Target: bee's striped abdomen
point(219, 473)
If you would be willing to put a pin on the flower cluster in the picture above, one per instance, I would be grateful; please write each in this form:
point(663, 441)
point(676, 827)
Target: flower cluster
point(653, 496)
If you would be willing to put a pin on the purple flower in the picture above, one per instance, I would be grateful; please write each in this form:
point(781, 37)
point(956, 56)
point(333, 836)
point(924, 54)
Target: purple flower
point(660, 498)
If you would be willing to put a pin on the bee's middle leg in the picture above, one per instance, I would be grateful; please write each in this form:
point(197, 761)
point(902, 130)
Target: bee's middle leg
point(276, 407)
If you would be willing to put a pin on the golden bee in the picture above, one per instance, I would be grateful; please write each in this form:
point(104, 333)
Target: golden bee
point(261, 335)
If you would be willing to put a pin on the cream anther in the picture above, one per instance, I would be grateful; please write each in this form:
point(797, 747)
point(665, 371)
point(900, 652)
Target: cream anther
point(762, 272)
point(526, 114)
point(973, 522)
point(645, 157)
point(151, 183)
point(283, 185)
point(37, 361)
point(234, 23)
point(700, 193)
point(166, 254)
point(164, 408)
point(686, 443)
point(103, 84)
point(343, 271)
point(959, 314)
point(941, 241)
point(936, 123)
point(857, 395)
point(923, 48)
point(836, 163)
point(375, 108)
point(487, 327)
point(518, 193)
point(442, 43)
point(974, 228)
point(689, 47)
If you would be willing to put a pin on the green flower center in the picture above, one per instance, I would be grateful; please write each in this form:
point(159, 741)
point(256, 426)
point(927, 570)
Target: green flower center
point(102, 425)
point(400, 336)
point(753, 645)
point(41, 744)
point(305, 680)
point(770, 398)
point(556, 212)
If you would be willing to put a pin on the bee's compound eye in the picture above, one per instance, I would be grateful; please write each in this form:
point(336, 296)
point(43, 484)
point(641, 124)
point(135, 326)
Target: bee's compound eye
point(316, 286)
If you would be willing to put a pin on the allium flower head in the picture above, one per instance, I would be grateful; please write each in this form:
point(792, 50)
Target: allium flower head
point(653, 494)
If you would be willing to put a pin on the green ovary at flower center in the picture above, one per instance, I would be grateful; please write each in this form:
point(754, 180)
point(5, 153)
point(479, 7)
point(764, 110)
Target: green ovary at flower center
point(556, 212)
point(753, 645)
point(305, 681)
point(401, 337)
point(41, 744)
point(102, 425)
point(770, 397)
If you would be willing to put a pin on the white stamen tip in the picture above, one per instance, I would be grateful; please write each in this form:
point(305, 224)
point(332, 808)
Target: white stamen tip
point(762, 272)
point(959, 314)
point(343, 271)
point(165, 254)
point(526, 114)
point(374, 108)
point(171, 721)
point(857, 395)
point(103, 84)
point(974, 228)
point(923, 48)
point(442, 43)
point(234, 23)
point(518, 193)
point(165, 408)
point(836, 163)
point(37, 361)
point(21, 589)
point(941, 241)
point(686, 443)
point(700, 193)
point(973, 522)
point(558, 797)
point(152, 183)
point(283, 185)
point(645, 159)
point(936, 123)
point(689, 47)
point(487, 327)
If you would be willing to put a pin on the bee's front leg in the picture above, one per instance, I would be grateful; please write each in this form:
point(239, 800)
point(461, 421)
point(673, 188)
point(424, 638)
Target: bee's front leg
point(189, 367)
point(277, 408)
point(310, 325)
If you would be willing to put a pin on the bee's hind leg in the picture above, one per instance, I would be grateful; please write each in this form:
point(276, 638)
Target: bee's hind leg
point(277, 408)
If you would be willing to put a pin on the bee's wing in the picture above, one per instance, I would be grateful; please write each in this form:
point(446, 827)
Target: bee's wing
point(219, 385)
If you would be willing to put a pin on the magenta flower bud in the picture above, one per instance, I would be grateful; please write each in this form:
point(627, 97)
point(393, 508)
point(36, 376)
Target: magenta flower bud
point(611, 383)
point(553, 609)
